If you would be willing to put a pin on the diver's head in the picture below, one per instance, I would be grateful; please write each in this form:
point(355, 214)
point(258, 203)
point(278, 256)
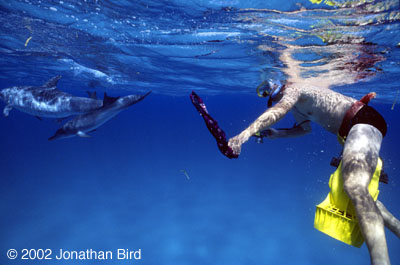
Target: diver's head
point(271, 89)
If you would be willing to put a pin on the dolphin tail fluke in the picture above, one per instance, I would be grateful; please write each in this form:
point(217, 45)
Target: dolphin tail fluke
point(52, 82)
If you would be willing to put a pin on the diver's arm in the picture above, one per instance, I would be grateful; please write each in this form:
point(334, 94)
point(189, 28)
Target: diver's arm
point(296, 131)
point(268, 118)
point(301, 127)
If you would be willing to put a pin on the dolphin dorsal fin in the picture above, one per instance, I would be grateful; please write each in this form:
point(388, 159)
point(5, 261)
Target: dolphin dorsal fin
point(109, 100)
point(52, 82)
point(92, 95)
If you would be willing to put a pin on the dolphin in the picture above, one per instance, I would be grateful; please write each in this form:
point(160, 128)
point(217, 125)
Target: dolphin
point(46, 101)
point(88, 122)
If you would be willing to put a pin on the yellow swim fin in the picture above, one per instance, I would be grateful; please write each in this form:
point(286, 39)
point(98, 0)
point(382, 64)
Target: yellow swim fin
point(336, 215)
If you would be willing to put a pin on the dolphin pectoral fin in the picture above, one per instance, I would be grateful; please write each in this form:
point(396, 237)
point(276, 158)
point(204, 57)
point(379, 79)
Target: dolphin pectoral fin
point(52, 83)
point(82, 134)
point(7, 110)
point(39, 118)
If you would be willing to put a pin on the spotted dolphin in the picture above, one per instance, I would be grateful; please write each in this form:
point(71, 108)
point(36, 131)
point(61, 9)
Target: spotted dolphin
point(88, 122)
point(46, 101)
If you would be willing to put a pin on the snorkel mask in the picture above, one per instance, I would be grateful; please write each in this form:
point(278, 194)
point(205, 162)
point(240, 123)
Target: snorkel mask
point(271, 89)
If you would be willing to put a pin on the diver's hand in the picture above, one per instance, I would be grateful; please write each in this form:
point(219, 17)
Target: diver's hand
point(236, 142)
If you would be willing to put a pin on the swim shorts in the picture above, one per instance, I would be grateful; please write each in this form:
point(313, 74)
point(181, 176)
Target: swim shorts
point(368, 115)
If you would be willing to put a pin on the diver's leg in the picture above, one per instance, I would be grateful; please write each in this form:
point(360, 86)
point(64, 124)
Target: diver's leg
point(360, 157)
point(389, 220)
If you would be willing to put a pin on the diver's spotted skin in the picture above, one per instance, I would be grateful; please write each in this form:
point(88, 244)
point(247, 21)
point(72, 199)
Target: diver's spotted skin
point(360, 156)
point(361, 149)
point(46, 101)
point(84, 123)
point(322, 106)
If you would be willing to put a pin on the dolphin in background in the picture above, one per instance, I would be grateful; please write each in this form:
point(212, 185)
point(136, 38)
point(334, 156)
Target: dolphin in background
point(88, 122)
point(46, 101)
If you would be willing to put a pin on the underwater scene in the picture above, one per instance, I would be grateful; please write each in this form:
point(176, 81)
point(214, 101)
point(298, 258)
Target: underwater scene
point(112, 163)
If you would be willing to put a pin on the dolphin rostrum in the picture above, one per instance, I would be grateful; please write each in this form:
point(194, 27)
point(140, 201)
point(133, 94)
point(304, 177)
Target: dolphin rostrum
point(46, 101)
point(88, 122)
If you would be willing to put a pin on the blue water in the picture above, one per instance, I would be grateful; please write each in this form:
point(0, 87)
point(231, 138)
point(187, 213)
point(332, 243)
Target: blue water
point(126, 187)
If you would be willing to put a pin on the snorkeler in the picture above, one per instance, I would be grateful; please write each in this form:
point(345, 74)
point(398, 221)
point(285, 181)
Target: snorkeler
point(360, 127)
